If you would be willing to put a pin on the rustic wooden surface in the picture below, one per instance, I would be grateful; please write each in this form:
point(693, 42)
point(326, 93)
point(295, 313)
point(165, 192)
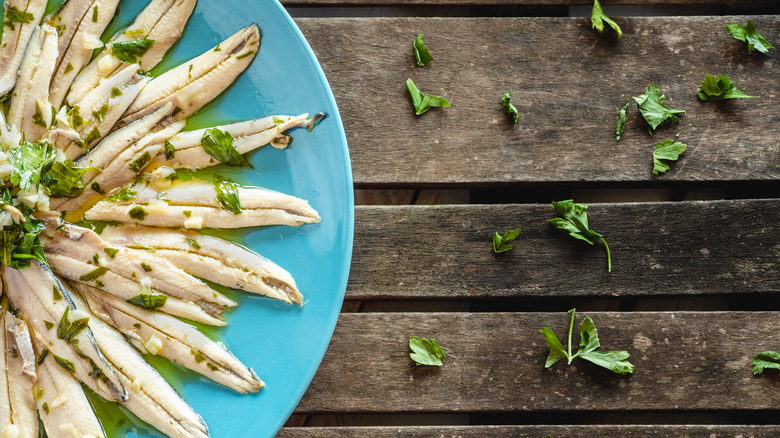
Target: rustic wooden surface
point(567, 83)
point(692, 248)
point(556, 431)
point(683, 361)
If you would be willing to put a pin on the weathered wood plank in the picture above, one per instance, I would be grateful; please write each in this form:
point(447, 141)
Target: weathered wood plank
point(683, 361)
point(671, 248)
point(557, 431)
point(567, 83)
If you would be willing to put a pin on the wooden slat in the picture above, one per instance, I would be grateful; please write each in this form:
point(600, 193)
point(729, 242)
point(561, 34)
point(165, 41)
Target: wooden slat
point(567, 83)
point(684, 361)
point(504, 2)
point(557, 431)
point(683, 248)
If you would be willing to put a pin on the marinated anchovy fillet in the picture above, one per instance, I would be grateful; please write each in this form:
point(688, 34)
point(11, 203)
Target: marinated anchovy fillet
point(151, 398)
point(193, 204)
point(159, 334)
point(76, 52)
point(16, 36)
point(186, 148)
point(64, 409)
point(40, 297)
point(162, 22)
point(211, 258)
point(196, 82)
point(17, 378)
point(31, 96)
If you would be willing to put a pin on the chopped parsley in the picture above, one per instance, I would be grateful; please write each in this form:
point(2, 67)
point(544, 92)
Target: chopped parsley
point(151, 300)
point(130, 51)
point(94, 274)
point(749, 34)
point(111, 252)
point(227, 194)
point(125, 194)
point(667, 150)
point(138, 213)
point(192, 242)
point(597, 19)
point(169, 150)
point(652, 107)
point(423, 102)
point(508, 107)
point(719, 88)
point(219, 144)
point(63, 180)
point(421, 52)
point(140, 162)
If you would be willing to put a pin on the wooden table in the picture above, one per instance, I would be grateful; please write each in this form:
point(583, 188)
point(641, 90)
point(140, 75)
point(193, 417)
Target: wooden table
point(693, 294)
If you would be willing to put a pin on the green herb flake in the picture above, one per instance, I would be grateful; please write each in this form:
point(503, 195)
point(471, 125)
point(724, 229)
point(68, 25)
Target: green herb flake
point(150, 301)
point(652, 107)
point(39, 390)
point(99, 284)
point(219, 144)
point(137, 325)
point(198, 355)
point(501, 242)
point(719, 88)
point(187, 213)
point(68, 68)
point(211, 366)
point(45, 406)
point(598, 17)
point(227, 194)
point(169, 150)
point(508, 107)
point(55, 293)
point(111, 252)
point(140, 162)
point(130, 51)
point(277, 121)
point(189, 72)
point(38, 117)
point(765, 361)
point(138, 213)
point(65, 363)
point(669, 150)
point(94, 274)
point(749, 34)
point(575, 220)
point(116, 92)
point(42, 357)
point(217, 49)
point(14, 15)
point(95, 259)
point(244, 55)
point(101, 113)
point(134, 32)
point(421, 52)
point(125, 194)
point(67, 330)
point(74, 118)
point(146, 266)
point(63, 180)
point(620, 125)
point(49, 325)
point(30, 161)
point(423, 102)
point(192, 242)
point(426, 351)
point(95, 186)
point(614, 361)
point(95, 14)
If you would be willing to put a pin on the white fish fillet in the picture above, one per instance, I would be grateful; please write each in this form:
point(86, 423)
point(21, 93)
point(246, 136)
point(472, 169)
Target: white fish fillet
point(16, 38)
point(17, 378)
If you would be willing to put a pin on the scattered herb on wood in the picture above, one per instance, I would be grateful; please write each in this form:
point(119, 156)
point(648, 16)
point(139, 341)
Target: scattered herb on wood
point(508, 107)
point(575, 220)
point(667, 150)
point(766, 360)
point(652, 106)
point(421, 52)
point(720, 87)
point(749, 34)
point(501, 242)
point(614, 361)
point(597, 19)
point(620, 125)
point(423, 102)
point(426, 351)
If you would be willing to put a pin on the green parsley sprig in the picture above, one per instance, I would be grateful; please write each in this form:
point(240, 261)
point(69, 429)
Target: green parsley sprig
point(598, 17)
point(749, 34)
point(508, 107)
point(667, 150)
point(426, 351)
point(421, 52)
point(614, 361)
point(652, 106)
point(766, 360)
point(423, 102)
point(501, 242)
point(575, 220)
point(720, 87)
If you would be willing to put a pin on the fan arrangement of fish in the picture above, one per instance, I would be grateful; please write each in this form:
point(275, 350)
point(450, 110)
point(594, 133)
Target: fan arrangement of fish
point(95, 137)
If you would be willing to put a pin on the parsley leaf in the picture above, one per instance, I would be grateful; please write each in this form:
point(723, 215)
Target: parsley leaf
point(620, 125)
point(227, 194)
point(14, 15)
point(719, 88)
point(501, 243)
point(125, 194)
point(219, 144)
point(766, 360)
point(63, 180)
point(666, 150)
point(575, 221)
point(508, 107)
point(421, 52)
point(651, 105)
point(614, 361)
point(426, 351)
point(130, 51)
point(29, 161)
point(748, 34)
point(423, 102)
point(151, 301)
point(597, 18)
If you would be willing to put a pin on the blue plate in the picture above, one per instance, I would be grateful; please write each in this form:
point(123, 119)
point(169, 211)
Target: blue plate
point(283, 344)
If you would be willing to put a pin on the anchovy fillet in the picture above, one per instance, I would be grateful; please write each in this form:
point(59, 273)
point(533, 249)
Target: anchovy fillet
point(162, 21)
point(211, 258)
point(193, 204)
point(16, 36)
point(188, 152)
point(17, 378)
point(196, 82)
point(159, 334)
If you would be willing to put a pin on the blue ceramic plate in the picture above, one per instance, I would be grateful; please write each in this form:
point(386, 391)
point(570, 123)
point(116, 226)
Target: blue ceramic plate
point(283, 344)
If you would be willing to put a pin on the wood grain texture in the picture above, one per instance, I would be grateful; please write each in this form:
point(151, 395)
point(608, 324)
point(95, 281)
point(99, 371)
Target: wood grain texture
point(557, 431)
point(683, 361)
point(673, 248)
point(567, 83)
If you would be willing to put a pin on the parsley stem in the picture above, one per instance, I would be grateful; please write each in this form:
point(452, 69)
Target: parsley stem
point(571, 327)
point(609, 257)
